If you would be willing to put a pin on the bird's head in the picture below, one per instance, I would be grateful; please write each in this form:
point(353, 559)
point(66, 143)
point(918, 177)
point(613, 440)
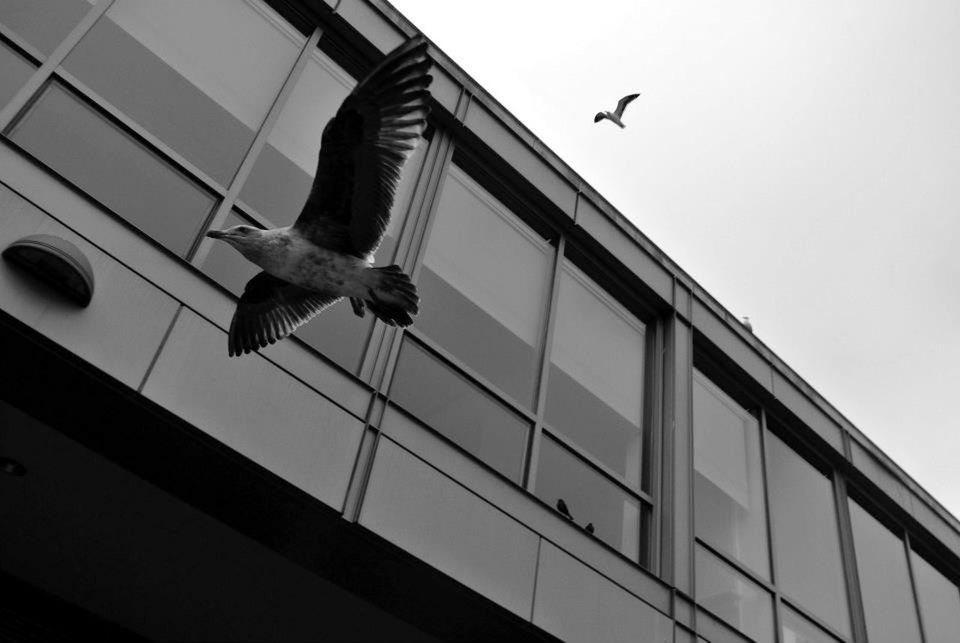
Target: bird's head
point(247, 239)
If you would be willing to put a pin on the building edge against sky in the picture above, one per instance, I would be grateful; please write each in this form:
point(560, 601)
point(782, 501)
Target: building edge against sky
point(368, 480)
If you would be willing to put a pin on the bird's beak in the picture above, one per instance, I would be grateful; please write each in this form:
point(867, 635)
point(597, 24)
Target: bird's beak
point(217, 234)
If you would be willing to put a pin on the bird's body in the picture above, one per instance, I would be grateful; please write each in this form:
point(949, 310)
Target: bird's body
point(327, 253)
point(616, 115)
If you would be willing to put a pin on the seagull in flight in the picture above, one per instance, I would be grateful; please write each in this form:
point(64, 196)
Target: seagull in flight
point(327, 254)
point(617, 113)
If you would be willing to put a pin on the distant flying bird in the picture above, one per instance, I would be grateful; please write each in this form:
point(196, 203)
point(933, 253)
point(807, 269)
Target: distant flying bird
point(617, 113)
point(327, 253)
point(562, 508)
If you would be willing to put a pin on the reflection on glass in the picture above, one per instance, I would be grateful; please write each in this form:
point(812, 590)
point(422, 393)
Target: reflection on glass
point(590, 498)
point(728, 483)
point(198, 75)
point(806, 534)
point(595, 389)
point(337, 333)
point(113, 168)
point(14, 72)
point(734, 598)
point(797, 629)
point(884, 581)
point(484, 285)
point(281, 178)
point(939, 602)
point(43, 23)
point(445, 401)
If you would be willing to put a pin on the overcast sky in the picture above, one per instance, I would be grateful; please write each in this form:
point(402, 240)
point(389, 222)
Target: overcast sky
point(801, 160)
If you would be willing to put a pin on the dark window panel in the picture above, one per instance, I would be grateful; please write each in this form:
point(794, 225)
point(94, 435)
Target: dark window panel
point(733, 597)
point(595, 390)
point(336, 332)
point(797, 629)
point(115, 169)
point(447, 402)
point(589, 497)
point(204, 96)
point(939, 602)
point(728, 481)
point(802, 508)
point(14, 72)
point(43, 23)
point(884, 581)
point(484, 286)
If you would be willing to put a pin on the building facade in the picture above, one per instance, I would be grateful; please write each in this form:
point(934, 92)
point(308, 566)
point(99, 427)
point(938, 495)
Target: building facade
point(574, 441)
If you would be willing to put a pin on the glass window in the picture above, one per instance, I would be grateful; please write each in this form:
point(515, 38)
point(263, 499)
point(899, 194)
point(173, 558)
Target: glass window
point(733, 597)
point(797, 629)
point(484, 285)
point(198, 75)
point(43, 23)
point(113, 168)
point(447, 402)
point(589, 497)
point(595, 389)
point(281, 178)
point(807, 539)
point(939, 602)
point(728, 485)
point(884, 580)
point(14, 72)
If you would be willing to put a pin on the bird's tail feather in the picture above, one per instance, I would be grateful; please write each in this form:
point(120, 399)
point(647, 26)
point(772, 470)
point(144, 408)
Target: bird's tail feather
point(392, 297)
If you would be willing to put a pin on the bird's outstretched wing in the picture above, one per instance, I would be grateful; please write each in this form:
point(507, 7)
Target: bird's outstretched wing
point(599, 117)
point(623, 102)
point(270, 309)
point(362, 151)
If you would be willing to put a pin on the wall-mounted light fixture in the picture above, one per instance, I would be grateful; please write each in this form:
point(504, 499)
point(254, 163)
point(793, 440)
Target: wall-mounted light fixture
point(55, 261)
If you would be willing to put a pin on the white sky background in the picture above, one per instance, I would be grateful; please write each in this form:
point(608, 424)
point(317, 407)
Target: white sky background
point(801, 160)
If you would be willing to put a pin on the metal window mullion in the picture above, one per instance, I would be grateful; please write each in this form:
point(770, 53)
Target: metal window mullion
point(36, 82)
point(381, 361)
point(858, 623)
point(737, 566)
point(803, 611)
point(913, 585)
point(202, 245)
point(536, 432)
point(768, 519)
point(20, 46)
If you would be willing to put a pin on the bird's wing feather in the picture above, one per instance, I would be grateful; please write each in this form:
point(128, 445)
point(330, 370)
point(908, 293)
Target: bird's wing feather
point(363, 150)
point(623, 102)
point(270, 309)
point(599, 117)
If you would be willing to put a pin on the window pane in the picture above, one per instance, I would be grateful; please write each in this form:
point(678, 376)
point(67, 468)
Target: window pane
point(797, 629)
point(443, 399)
point(939, 602)
point(113, 168)
point(14, 72)
point(728, 484)
point(595, 390)
point(734, 598)
point(589, 497)
point(198, 75)
point(43, 23)
point(280, 180)
point(884, 581)
point(484, 285)
point(337, 333)
point(807, 537)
